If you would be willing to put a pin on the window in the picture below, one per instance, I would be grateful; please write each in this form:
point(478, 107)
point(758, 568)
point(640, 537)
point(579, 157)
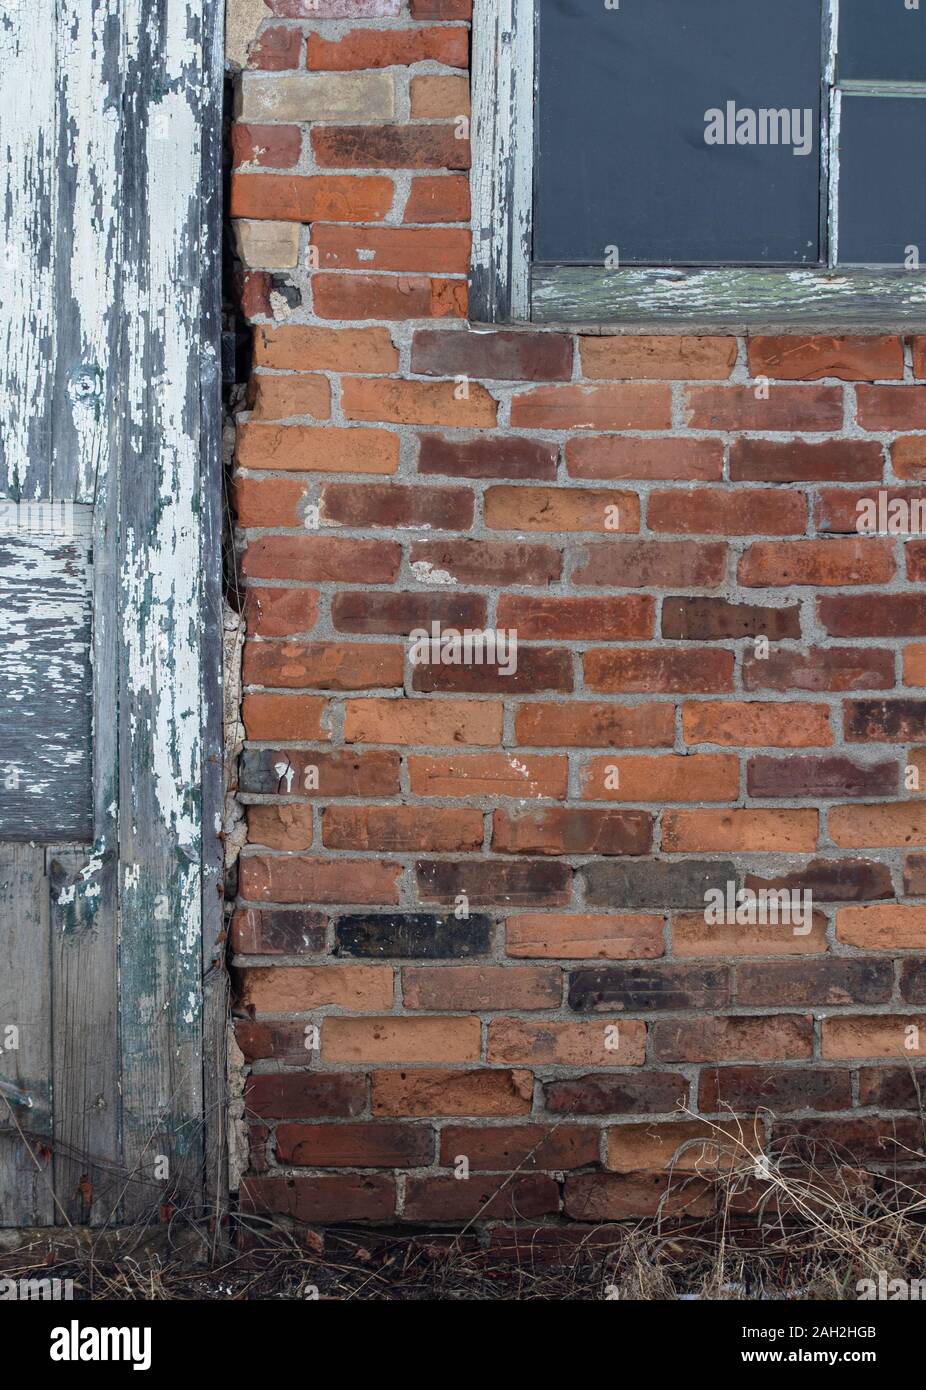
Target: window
point(723, 164)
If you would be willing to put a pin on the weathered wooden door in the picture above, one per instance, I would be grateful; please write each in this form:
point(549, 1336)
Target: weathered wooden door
point(110, 677)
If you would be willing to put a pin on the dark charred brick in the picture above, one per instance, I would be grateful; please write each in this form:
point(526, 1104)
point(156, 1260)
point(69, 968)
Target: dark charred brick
point(833, 880)
point(892, 1088)
point(812, 776)
point(487, 457)
point(656, 883)
point(538, 669)
point(375, 773)
point(779, 1089)
point(806, 982)
point(402, 613)
point(536, 883)
point(714, 619)
point(648, 988)
point(613, 1093)
point(446, 1199)
point(306, 1095)
point(505, 355)
point(913, 982)
point(289, 932)
point(413, 935)
point(895, 721)
point(333, 1197)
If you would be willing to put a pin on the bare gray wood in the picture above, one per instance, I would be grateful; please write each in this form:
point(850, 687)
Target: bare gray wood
point(25, 1059)
point(676, 300)
point(45, 676)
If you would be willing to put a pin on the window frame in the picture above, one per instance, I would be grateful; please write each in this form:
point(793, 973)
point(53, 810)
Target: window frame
point(506, 287)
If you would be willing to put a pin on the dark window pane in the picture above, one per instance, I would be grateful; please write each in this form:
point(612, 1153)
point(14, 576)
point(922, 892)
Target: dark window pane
point(882, 195)
point(622, 158)
point(881, 39)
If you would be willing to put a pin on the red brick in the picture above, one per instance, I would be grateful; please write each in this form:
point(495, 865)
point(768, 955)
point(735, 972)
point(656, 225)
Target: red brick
point(558, 830)
point(539, 669)
point(770, 564)
point(593, 408)
point(658, 460)
point(604, 1042)
point(840, 510)
point(808, 408)
point(386, 48)
point(356, 296)
point(425, 250)
point(323, 665)
point(271, 146)
point(908, 457)
point(883, 926)
point(284, 397)
point(396, 505)
point(310, 198)
point(777, 1037)
point(485, 562)
point(306, 1095)
point(721, 512)
point(362, 1145)
point(279, 612)
point(383, 613)
point(442, 9)
point(509, 1148)
point(282, 717)
point(335, 9)
point(277, 48)
point(280, 827)
point(487, 456)
point(300, 880)
point(438, 199)
point(659, 357)
point(800, 460)
point(717, 620)
point(468, 1093)
point(305, 347)
point(340, 773)
point(664, 777)
point(664, 671)
point(578, 619)
point(584, 724)
point(438, 1199)
point(298, 989)
point(877, 827)
point(271, 502)
point(266, 932)
point(417, 403)
point(498, 356)
point(892, 408)
point(741, 831)
point(322, 560)
point(820, 668)
point(561, 509)
point(316, 449)
point(403, 1040)
point(394, 829)
point(338, 1197)
point(647, 564)
point(585, 936)
point(418, 146)
point(598, 1197)
point(810, 359)
point(423, 723)
point(488, 775)
point(756, 724)
point(874, 615)
point(482, 988)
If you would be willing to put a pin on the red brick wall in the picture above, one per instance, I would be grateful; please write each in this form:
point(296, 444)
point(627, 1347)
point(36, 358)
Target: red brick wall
point(643, 511)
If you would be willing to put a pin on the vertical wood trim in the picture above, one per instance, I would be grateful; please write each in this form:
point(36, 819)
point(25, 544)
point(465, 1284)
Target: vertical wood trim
point(215, 978)
point(162, 605)
point(502, 142)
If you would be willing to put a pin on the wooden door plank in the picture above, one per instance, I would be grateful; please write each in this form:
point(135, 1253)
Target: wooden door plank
point(27, 246)
point(88, 1173)
point(25, 1005)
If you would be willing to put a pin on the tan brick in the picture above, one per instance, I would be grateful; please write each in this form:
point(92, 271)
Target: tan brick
point(439, 97)
point(692, 936)
point(584, 936)
point(267, 245)
point(900, 1036)
point(611, 1042)
point(279, 989)
point(304, 96)
point(744, 830)
point(883, 927)
point(404, 1040)
point(878, 827)
point(467, 1093)
point(694, 1145)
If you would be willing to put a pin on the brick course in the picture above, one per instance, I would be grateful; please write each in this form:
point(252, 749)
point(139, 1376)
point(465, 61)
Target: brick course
point(484, 892)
